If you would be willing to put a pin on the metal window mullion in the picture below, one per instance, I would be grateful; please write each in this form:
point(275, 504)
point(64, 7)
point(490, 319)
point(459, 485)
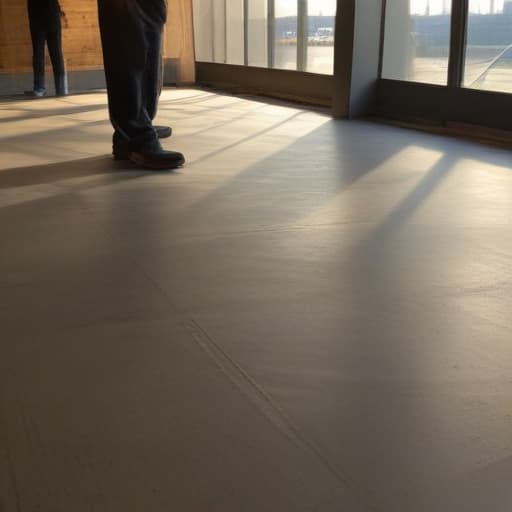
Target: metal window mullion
point(212, 32)
point(302, 34)
point(246, 31)
point(271, 31)
point(458, 34)
point(225, 31)
point(382, 35)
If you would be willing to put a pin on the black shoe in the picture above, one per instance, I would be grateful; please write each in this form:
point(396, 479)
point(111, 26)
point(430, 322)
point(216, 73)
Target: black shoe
point(120, 149)
point(163, 131)
point(152, 156)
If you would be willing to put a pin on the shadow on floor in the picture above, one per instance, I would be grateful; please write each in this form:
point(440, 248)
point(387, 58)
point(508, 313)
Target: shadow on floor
point(50, 173)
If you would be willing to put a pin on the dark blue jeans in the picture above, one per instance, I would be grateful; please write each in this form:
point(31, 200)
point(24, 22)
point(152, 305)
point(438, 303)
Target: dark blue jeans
point(131, 38)
point(47, 32)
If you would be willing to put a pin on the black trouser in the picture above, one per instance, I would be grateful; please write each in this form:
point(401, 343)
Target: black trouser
point(48, 32)
point(131, 38)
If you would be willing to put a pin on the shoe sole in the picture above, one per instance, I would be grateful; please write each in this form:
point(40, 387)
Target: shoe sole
point(125, 155)
point(121, 156)
point(156, 166)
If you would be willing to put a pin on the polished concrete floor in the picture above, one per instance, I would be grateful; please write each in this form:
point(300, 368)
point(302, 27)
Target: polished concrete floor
point(312, 315)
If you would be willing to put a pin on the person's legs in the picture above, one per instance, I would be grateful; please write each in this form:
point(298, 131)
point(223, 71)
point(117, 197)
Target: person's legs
point(129, 31)
point(54, 41)
point(38, 36)
point(152, 84)
point(153, 81)
point(124, 27)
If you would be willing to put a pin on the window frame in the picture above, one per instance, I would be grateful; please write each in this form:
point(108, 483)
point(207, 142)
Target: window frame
point(297, 84)
point(356, 87)
point(451, 103)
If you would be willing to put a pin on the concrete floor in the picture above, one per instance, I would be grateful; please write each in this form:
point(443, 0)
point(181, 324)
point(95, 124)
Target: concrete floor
point(313, 315)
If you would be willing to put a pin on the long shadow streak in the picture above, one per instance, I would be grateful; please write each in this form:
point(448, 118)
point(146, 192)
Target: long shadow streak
point(50, 173)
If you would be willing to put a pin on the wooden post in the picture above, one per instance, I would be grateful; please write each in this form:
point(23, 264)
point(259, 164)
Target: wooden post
point(179, 40)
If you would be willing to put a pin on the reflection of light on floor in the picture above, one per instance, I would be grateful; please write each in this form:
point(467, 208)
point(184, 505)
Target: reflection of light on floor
point(245, 142)
point(18, 158)
point(221, 136)
point(20, 195)
point(407, 165)
point(484, 194)
point(50, 130)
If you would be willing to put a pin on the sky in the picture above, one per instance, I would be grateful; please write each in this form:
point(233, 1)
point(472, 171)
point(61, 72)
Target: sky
point(436, 6)
point(289, 7)
point(328, 7)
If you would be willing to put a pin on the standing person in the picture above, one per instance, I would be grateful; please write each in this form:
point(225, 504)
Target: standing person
point(131, 38)
point(45, 27)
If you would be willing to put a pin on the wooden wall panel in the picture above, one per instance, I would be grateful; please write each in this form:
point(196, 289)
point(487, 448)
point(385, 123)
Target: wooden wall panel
point(80, 37)
point(81, 40)
point(179, 40)
point(14, 36)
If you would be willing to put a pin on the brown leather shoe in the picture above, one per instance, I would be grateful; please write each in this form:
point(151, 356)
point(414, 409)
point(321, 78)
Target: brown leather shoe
point(152, 156)
point(121, 152)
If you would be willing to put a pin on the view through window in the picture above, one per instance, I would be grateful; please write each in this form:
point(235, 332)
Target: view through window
point(417, 40)
point(257, 33)
point(320, 38)
point(281, 34)
point(285, 34)
point(417, 43)
point(488, 63)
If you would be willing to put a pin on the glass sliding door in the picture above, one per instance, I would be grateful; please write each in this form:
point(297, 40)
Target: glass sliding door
point(417, 41)
point(488, 62)
point(204, 29)
point(419, 45)
point(257, 33)
point(442, 60)
point(281, 48)
point(281, 34)
point(234, 15)
point(320, 36)
point(285, 34)
point(219, 31)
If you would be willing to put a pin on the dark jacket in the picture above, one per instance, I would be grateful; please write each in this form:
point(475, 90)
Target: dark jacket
point(44, 12)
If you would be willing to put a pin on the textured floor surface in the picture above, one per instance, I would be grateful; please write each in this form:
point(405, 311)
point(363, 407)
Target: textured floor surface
point(312, 315)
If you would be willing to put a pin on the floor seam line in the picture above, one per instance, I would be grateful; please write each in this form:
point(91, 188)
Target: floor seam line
point(269, 408)
point(257, 395)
